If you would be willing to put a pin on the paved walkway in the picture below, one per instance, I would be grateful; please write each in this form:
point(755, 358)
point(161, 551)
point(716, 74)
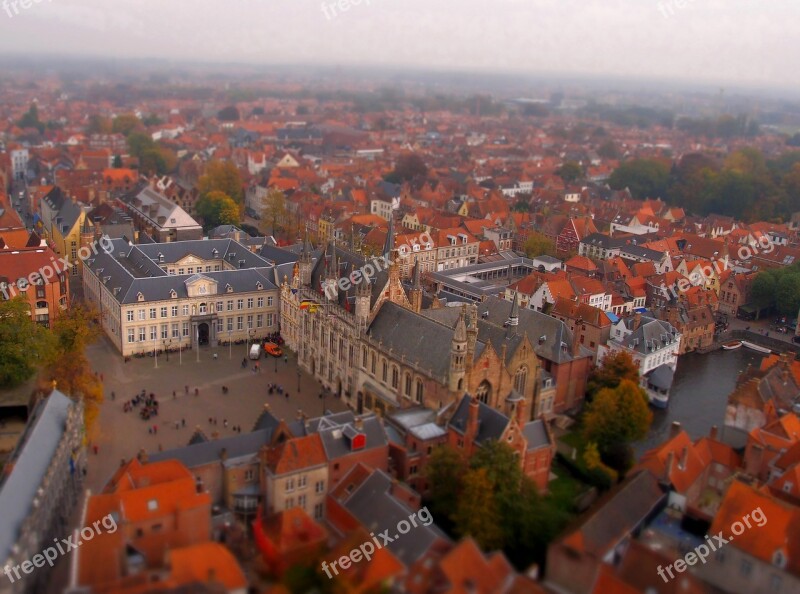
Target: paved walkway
point(121, 435)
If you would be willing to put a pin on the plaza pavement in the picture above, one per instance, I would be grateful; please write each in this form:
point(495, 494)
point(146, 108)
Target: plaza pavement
point(119, 435)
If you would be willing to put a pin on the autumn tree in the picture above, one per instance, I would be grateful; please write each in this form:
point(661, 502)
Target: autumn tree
point(614, 368)
point(24, 344)
point(217, 208)
point(274, 209)
point(409, 166)
point(645, 178)
point(476, 512)
point(69, 366)
point(616, 417)
point(31, 119)
point(98, 125)
point(539, 245)
point(152, 157)
point(222, 176)
point(125, 124)
point(444, 472)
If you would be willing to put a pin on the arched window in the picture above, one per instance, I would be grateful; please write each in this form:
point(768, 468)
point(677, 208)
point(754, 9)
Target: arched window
point(419, 391)
point(460, 384)
point(484, 392)
point(520, 379)
point(395, 377)
point(384, 371)
point(407, 389)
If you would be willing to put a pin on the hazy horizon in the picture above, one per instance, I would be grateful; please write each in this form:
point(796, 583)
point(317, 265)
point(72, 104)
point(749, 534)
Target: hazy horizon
point(706, 42)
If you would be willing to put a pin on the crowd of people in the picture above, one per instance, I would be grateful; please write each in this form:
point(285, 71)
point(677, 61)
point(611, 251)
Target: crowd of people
point(149, 405)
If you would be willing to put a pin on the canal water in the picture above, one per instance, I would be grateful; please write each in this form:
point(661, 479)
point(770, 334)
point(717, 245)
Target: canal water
point(699, 394)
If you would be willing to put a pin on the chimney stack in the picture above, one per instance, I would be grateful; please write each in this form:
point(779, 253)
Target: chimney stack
point(675, 429)
point(668, 465)
point(472, 418)
point(358, 423)
point(713, 433)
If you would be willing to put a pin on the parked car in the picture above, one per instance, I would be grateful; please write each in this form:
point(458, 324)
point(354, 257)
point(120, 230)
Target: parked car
point(273, 349)
point(255, 352)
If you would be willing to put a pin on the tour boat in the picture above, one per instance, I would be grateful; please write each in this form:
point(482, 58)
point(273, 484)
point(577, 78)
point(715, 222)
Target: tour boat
point(757, 348)
point(732, 345)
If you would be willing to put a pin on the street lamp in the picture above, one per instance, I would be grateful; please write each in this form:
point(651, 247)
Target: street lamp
point(155, 350)
point(166, 349)
point(230, 343)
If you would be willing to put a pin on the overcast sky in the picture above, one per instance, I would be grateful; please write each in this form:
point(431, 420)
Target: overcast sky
point(748, 41)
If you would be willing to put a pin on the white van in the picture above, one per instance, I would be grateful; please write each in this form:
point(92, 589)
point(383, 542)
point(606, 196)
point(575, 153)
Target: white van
point(255, 351)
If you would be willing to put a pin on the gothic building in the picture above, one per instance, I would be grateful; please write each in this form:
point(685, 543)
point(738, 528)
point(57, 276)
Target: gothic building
point(369, 341)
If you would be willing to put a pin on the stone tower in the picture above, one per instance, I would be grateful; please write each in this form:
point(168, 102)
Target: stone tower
point(458, 356)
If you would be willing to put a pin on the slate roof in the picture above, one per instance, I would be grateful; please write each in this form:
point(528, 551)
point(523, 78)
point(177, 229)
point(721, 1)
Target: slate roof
point(347, 262)
point(334, 430)
point(491, 423)
point(31, 460)
point(160, 210)
point(414, 337)
point(207, 452)
point(135, 268)
point(536, 435)
point(492, 315)
point(650, 333)
point(376, 509)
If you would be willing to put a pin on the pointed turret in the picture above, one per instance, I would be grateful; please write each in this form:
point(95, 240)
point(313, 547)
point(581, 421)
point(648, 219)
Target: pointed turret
point(388, 245)
point(305, 260)
point(458, 355)
point(415, 296)
point(513, 318)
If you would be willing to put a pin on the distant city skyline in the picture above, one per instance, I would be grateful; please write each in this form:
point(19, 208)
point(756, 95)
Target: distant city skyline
point(712, 41)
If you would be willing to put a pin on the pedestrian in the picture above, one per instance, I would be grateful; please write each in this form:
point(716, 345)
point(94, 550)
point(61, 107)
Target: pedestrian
point(286, 358)
point(187, 389)
point(183, 422)
point(96, 449)
point(196, 391)
point(155, 429)
point(174, 395)
point(287, 395)
point(113, 395)
point(224, 422)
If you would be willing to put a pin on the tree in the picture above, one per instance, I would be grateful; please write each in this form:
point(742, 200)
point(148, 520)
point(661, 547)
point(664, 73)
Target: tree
point(476, 513)
point(787, 294)
point(229, 114)
point(409, 166)
point(539, 245)
point(217, 208)
point(444, 471)
point(645, 178)
point(274, 209)
point(69, 367)
point(152, 157)
point(614, 368)
point(762, 291)
point(569, 172)
point(151, 120)
point(521, 205)
point(223, 176)
point(31, 119)
point(617, 416)
point(125, 124)
point(98, 125)
point(608, 150)
point(24, 344)
point(117, 162)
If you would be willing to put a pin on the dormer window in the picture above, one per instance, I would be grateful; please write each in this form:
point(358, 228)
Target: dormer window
point(228, 289)
point(259, 286)
point(173, 294)
point(779, 559)
point(139, 296)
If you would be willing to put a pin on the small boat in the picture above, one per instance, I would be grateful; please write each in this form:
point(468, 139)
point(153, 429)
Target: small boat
point(757, 348)
point(732, 345)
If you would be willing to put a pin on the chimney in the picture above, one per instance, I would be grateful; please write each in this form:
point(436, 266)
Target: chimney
point(223, 454)
point(713, 433)
point(358, 423)
point(668, 465)
point(472, 418)
point(637, 320)
point(675, 429)
point(576, 337)
point(684, 458)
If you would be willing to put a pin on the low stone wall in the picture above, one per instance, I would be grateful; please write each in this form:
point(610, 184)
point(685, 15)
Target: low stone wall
point(774, 344)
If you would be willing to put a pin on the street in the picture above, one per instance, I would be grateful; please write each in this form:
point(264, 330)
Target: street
point(119, 435)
